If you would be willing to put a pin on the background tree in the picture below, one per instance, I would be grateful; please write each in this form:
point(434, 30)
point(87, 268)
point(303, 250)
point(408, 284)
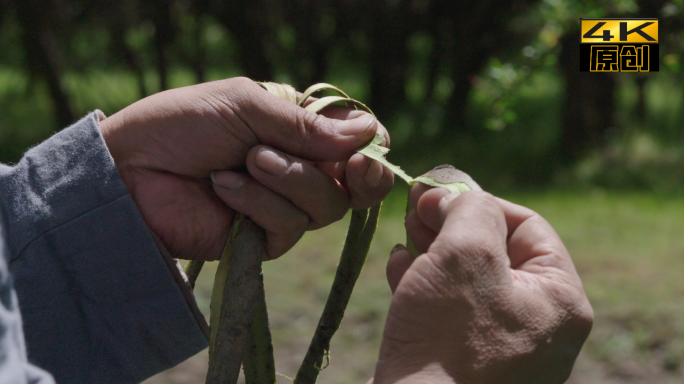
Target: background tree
point(447, 77)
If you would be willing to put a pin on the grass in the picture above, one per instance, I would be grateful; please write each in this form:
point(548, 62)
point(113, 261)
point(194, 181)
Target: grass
point(627, 247)
point(629, 251)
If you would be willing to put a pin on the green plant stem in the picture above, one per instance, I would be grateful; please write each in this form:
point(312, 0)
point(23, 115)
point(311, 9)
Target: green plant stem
point(258, 362)
point(362, 227)
point(240, 293)
point(192, 271)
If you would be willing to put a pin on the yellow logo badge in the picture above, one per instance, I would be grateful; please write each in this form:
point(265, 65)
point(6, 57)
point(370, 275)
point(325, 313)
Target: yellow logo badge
point(619, 30)
point(619, 45)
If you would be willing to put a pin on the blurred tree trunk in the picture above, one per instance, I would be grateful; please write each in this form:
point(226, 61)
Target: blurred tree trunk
point(38, 23)
point(648, 8)
point(246, 22)
point(118, 34)
point(466, 34)
point(199, 60)
point(159, 12)
point(390, 27)
point(589, 103)
point(474, 32)
point(309, 62)
point(641, 97)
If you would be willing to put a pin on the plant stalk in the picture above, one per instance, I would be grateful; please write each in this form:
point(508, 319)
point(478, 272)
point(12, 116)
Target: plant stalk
point(241, 292)
point(258, 362)
point(192, 271)
point(362, 227)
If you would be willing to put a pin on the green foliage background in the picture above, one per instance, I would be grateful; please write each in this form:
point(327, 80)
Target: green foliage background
point(492, 87)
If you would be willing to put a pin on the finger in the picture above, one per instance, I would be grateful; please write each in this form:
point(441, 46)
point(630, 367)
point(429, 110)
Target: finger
point(421, 235)
point(290, 128)
point(335, 169)
point(472, 241)
point(399, 262)
point(368, 181)
point(416, 192)
point(283, 222)
point(339, 112)
point(428, 207)
point(533, 245)
point(308, 188)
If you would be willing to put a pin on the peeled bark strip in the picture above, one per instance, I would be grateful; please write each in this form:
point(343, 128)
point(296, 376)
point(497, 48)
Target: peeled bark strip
point(361, 230)
point(240, 295)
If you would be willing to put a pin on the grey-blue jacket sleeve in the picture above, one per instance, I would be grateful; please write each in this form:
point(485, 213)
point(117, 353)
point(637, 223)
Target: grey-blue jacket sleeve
point(14, 366)
point(99, 303)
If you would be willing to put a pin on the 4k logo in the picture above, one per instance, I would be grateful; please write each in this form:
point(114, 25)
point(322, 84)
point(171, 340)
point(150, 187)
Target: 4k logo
point(624, 45)
point(619, 31)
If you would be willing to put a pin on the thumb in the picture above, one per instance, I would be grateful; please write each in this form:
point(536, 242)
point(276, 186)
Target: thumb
point(292, 129)
point(471, 245)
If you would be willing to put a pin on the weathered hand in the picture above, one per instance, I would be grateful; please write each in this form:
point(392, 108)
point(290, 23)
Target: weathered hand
point(493, 297)
point(303, 173)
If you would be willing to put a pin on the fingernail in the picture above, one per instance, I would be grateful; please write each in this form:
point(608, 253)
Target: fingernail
point(449, 196)
point(354, 127)
point(373, 174)
point(228, 179)
point(444, 201)
point(272, 162)
point(397, 248)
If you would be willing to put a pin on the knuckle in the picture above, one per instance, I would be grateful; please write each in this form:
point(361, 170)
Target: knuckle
point(480, 198)
point(586, 317)
point(240, 90)
point(482, 206)
point(338, 212)
point(314, 125)
point(242, 82)
point(328, 212)
point(304, 127)
point(382, 131)
point(298, 225)
point(580, 311)
point(477, 249)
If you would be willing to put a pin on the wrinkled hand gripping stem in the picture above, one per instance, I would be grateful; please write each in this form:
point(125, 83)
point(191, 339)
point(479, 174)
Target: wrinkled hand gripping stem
point(238, 302)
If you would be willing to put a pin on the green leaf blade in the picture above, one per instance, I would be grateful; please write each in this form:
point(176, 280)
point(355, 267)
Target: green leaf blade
point(317, 88)
point(375, 151)
point(319, 104)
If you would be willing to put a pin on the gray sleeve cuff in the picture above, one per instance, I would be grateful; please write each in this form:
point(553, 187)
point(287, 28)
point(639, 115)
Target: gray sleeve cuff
point(98, 302)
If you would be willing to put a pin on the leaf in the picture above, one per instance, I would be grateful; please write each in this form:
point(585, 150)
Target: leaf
point(374, 151)
point(319, 87)
point(443, 176)
point(319, 104)
point(457, 187)
point(284, 91)
point(446, 176)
